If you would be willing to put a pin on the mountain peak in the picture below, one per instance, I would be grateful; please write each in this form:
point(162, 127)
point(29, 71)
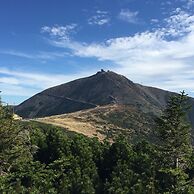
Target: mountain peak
point(108, 72)
point(103, 72)
point(111, 74)
point(102, 88)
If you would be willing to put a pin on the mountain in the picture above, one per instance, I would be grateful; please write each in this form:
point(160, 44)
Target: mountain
point(101, 89)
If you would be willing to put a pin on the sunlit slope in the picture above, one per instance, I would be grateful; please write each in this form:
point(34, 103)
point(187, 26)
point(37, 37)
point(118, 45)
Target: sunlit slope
point(109, 120)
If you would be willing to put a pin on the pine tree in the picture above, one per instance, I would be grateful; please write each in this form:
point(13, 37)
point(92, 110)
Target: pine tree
point(174, 144)
point(14, 141)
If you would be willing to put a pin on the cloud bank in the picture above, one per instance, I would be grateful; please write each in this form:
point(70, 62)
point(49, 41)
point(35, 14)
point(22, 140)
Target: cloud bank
point(162, 57)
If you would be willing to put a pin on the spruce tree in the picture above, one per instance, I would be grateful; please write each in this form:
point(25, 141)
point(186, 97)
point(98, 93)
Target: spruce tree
point(174, 145)
point(15, 144)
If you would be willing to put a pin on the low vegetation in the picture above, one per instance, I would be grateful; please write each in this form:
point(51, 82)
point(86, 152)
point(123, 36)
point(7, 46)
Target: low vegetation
point(39, 158)
point(106, 120)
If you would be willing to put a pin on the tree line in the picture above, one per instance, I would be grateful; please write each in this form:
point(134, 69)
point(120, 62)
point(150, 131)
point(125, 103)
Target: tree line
point(38, 158)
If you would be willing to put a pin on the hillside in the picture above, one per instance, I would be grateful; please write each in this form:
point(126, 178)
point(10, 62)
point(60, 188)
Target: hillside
point(103, 121)
point(101, 89)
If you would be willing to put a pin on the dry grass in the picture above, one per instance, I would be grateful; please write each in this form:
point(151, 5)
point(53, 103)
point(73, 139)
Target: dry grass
point(101, 121)
point(71, 124)
point(87, 122)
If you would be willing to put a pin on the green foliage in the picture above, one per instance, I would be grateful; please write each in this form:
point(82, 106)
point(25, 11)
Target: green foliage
point(14, 142)
point(132, 170)
point(31, 177)
point(38, 158)
point(174, 146)
point(174, 133)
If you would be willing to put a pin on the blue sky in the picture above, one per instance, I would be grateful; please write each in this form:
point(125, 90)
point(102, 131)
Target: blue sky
point(44, 43)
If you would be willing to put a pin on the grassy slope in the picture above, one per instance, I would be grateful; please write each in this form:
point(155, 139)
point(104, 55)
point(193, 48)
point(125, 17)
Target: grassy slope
point(108, 120)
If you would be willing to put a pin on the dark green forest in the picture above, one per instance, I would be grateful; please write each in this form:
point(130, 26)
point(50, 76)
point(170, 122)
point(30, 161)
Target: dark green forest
point(39, 158)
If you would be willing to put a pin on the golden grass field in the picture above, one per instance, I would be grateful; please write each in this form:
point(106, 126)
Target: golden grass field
point(87, 122)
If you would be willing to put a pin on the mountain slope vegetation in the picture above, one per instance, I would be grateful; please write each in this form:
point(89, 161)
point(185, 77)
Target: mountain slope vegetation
point(59, 162)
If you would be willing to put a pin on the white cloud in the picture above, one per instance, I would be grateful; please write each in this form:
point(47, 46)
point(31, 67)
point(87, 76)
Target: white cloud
point(129, 16)
point(179, 23)
point(10, 80)
point(60, 31)
point(162, 57)
point(100, 18)
point(154, 20)
point(39, 55)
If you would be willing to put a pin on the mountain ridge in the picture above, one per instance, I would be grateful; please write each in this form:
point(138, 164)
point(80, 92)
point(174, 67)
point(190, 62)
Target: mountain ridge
point(100, 89)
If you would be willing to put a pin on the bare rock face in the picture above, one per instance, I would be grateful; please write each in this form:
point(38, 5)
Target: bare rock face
point(100, 89)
